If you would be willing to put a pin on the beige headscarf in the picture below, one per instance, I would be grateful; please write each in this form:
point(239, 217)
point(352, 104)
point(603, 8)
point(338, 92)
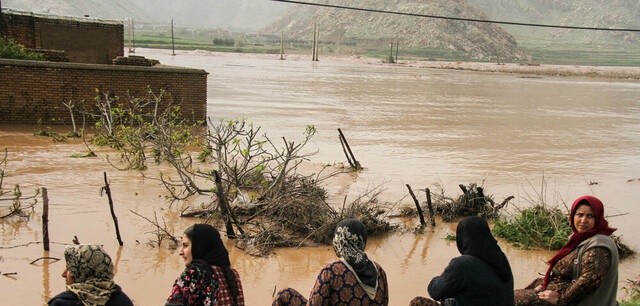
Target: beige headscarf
point(92, 272)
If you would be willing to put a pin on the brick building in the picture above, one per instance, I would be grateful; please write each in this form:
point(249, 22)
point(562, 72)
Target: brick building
point(84, 55)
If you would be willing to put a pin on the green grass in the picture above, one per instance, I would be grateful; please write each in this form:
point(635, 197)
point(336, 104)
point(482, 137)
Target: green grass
point(583, 57)
point(535, 227)
point(634, 293)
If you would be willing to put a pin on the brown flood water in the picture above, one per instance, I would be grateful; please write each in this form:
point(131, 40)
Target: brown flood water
point(406, 126)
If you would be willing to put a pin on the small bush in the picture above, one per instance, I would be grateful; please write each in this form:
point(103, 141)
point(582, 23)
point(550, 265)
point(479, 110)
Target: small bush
point(10, 49)
point(537, 226)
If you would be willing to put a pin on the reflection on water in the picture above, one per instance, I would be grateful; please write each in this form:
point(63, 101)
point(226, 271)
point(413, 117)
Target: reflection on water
point(405, 125)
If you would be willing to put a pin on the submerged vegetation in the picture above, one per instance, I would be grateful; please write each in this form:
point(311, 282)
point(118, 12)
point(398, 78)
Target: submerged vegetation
point(535, 227)
point(252, 183)
point(13, 203)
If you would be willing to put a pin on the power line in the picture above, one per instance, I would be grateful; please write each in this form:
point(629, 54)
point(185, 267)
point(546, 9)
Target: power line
point(460, 19)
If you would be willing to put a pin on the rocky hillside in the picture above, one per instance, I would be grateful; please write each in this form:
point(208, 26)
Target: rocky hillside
point(475, 40)
point(584, 13)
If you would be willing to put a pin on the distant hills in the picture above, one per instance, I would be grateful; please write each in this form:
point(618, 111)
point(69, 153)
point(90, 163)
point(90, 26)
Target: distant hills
point(476, 40)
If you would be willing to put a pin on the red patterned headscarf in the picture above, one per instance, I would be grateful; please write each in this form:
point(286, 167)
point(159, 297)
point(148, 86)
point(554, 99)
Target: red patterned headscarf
point(601, 227)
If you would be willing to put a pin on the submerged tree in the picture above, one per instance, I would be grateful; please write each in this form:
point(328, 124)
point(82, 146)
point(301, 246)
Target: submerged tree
point(253, 182)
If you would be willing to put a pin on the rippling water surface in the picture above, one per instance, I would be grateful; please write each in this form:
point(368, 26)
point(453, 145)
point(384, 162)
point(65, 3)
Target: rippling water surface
point(515, 135)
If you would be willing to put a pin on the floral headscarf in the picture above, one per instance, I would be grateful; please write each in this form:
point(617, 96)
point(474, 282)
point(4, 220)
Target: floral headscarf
point(601, 227)
point(92, 272)
point(349, 241)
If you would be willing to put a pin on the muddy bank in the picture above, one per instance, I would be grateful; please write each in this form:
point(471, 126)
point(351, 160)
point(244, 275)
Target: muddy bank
point(541, 70)
point(609, 72)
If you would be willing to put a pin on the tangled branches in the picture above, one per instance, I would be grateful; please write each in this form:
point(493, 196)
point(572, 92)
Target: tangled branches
point(19, 204)
point(472, 202)
point(286, 208)
point(304, 218)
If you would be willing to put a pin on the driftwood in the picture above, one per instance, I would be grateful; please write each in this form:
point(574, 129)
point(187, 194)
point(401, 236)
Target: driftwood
point(107, 190)
point(45, 257)
point(415, 200)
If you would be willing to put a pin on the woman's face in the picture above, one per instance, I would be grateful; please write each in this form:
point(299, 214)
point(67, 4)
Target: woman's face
point(68, 279)
point(185, 250)
point(584, 220)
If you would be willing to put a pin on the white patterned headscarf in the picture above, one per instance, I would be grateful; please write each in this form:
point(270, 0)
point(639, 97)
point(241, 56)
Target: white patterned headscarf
point(349, 242)
point(92, 272)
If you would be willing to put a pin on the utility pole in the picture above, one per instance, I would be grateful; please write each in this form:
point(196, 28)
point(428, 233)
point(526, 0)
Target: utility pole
point(397, 46)
point(130, 22)
point(1, 20)
point(316, 35)
point(173, 46)
point(281, 44)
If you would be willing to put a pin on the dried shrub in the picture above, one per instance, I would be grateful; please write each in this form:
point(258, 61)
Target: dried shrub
point(303, 218)
point(472, 202)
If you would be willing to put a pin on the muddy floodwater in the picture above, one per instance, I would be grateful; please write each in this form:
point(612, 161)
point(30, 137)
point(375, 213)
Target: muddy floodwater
point(513, 134)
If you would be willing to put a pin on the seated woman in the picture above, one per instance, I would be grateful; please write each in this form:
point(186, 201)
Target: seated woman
point(353, 279)
point(89, 279)
point(481, 275)
point(585, 270)
point(208, 278)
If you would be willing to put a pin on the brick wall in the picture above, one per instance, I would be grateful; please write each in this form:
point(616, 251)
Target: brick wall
point(84, 40)
point(34, 90)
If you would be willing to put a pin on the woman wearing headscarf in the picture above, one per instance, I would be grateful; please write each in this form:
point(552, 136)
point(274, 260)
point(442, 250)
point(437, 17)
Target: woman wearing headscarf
point(208, 278)
point(89, 279)
point(353, 279)
point(585, 270)
point(481, 275)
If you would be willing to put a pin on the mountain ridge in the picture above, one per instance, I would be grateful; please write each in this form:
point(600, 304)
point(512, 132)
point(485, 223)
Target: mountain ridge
point(476, 40)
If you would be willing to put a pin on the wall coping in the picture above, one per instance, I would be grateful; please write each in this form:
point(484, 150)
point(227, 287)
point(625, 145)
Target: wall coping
point(83, 66)
point(8, 11)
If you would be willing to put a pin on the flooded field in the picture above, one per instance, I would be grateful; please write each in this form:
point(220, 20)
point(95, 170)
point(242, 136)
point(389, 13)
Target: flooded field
point(406, 125)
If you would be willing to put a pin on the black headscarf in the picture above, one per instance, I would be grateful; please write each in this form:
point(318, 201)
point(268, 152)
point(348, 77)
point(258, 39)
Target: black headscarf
point(473, 237)
point(207, 245)
point(349, 241)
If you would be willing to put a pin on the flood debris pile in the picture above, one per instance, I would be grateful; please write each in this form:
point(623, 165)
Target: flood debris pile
point(303, 217)
point(472, 202)
point(252, 182)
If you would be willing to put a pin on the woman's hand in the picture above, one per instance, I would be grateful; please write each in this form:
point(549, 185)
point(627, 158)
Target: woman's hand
point(549, 296)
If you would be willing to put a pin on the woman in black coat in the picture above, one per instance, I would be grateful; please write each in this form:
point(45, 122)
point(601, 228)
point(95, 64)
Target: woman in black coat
point(481, 275)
